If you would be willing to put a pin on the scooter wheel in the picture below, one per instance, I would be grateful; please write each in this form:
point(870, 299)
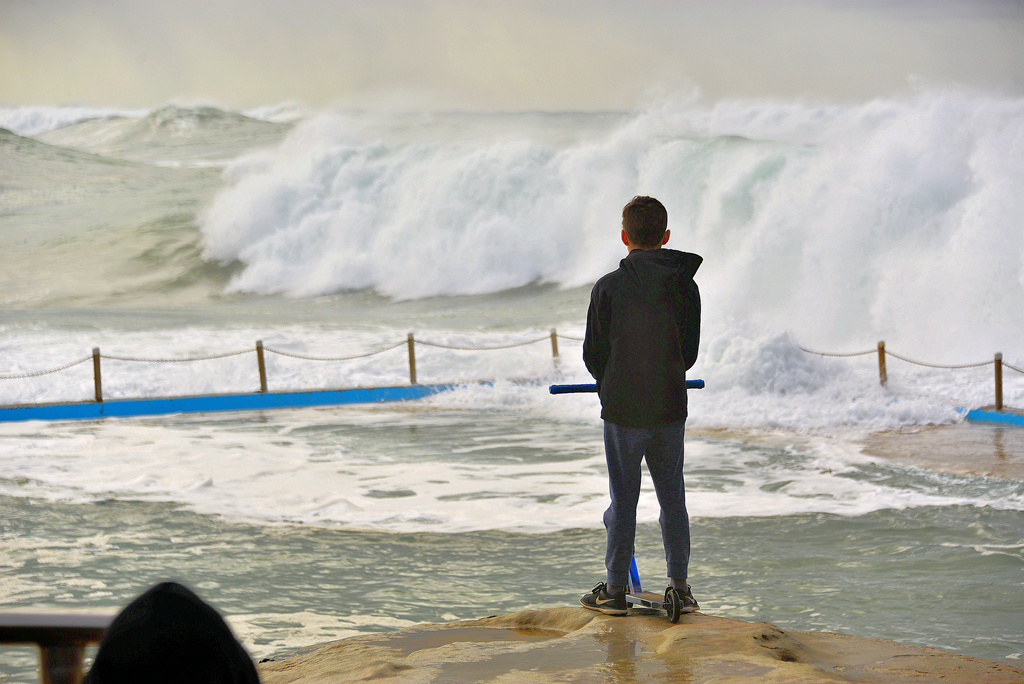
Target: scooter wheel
point(673, 604)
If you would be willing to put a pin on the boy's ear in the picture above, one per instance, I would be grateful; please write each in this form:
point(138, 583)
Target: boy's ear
point(625, 240)
point(664, 239)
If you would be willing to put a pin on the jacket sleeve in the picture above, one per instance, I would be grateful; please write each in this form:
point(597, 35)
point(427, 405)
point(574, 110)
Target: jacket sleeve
point(690, 325)
point(595, 344)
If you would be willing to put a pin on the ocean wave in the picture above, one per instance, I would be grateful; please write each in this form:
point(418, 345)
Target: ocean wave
point(839, 223)
point(32, 120)
point(44, 175)
point(171, 136)
point(836, 226)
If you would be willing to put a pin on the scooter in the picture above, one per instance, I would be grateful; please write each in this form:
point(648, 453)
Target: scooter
point(670, 602)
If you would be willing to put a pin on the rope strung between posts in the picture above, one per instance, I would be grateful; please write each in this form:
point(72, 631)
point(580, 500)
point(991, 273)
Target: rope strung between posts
point(334, 358)
point(883, 374)
point(502, 346)
point(305, 357)
point(45, 372)
point(820, 353)
point(908, 360)
point(937, 365)
point(181, 360)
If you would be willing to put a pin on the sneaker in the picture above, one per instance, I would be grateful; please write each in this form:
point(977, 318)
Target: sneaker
point(609, 604)
point(689, 604)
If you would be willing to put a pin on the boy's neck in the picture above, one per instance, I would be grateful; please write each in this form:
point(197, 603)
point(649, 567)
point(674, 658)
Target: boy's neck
point(631, 247)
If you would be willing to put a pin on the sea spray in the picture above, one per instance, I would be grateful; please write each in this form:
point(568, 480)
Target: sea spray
point(833, 223)
point(327, 211)
point(279, 514)
point(822, 227)
point(427, 469)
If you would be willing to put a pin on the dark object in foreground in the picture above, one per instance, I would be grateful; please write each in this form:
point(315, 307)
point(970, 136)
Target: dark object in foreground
point(61, 637)
point(168, 634)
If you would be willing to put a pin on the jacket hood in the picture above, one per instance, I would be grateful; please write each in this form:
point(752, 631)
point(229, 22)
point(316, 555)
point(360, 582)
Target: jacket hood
point(659, 267)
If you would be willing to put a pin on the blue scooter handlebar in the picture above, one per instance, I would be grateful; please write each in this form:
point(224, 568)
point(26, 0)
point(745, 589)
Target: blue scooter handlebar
point(592, 387)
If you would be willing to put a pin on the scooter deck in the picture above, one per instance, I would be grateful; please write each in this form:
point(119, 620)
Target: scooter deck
point(647, 599)
point(670, 601)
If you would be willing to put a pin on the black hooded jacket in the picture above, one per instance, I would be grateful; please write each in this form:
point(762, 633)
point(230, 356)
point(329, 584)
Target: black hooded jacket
point(643, 329)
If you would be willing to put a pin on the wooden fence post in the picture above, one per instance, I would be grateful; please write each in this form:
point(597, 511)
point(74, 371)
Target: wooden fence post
point(883, 375)
point(263, 366)
point(61, 663)
point(554, 343)
point(97, 381)
point(412, 359)
point(999, 381)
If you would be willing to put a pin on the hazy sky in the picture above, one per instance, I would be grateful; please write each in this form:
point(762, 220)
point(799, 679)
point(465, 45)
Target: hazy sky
point(498, 54)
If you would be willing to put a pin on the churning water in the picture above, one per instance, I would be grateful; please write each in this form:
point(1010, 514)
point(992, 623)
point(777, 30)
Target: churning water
point(185, 232)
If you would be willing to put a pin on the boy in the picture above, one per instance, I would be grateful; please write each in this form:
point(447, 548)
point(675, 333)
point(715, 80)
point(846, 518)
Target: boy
point(643, 328)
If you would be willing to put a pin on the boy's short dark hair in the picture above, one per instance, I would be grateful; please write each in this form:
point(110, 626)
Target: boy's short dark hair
point(645, 220)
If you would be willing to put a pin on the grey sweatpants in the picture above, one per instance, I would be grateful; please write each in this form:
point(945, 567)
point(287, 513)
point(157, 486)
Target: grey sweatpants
point(625, 448)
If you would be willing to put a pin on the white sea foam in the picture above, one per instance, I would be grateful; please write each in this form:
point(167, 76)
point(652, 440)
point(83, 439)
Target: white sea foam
point(336, 469)
point(828, 227)
point(285, 112)
point(894, 219)
point(762, 383)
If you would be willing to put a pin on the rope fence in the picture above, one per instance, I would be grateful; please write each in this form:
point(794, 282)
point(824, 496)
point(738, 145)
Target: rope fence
point(21, 376)
point(111, 357)
point(260, 350)
point(410, 342)
point(332, 358)
point(883, 374)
